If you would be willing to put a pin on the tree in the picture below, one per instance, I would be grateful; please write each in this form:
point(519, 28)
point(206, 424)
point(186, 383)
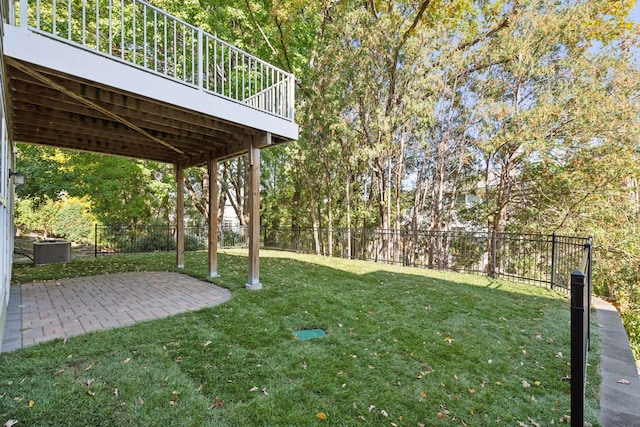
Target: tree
point(120, 191)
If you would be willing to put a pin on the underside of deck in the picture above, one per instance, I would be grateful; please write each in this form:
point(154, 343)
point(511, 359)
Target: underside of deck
point(66, 97)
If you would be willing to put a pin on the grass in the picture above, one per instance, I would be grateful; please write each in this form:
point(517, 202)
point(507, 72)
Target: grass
point(405, 347)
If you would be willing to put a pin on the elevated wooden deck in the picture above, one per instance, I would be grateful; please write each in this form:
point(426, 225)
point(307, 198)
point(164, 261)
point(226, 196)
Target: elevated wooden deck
point(69, 97)
point(125, 78)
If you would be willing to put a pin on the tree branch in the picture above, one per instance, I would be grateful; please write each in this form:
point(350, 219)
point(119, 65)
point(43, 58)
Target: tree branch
point(396, 57)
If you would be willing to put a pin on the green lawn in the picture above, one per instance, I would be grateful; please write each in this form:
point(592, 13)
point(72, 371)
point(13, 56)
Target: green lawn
point(405, 347)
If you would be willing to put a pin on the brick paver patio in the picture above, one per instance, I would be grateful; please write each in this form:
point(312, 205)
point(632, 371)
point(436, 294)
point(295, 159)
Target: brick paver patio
point(64, 308)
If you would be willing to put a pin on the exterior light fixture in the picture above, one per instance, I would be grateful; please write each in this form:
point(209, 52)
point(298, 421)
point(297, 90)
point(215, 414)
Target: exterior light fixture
point(18, 177)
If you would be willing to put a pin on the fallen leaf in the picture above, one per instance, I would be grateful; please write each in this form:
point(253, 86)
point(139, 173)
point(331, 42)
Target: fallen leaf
point(174, 398)
point(384, 413)
point(10, 423)
point(525, 384)
point(423, 394)
point(91, 393)
point(490, 361)
point(127, 360)
point(217, 403)
point(264, 390)
point(623, 381)
point(115, 392)
point(559, 355)
point(372, 407)
point(254, 389)
point(441, 415)
point(472, 390)
point(533, 422)
point(206, 344)
point(140, 401)
point(89, 382)
point(88, 367)
point(449, 340)
point(321, 416)
point(31, 403)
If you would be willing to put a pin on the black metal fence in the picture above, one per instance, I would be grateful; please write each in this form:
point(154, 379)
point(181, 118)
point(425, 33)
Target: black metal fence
point(547, 260)
point(580, 334)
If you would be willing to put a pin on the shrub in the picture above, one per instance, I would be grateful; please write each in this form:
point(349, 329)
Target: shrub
point(69, 218)
point(73, 221)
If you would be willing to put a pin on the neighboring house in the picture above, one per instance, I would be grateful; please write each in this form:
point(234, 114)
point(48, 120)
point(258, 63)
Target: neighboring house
point(230, 220)
point(7, 167)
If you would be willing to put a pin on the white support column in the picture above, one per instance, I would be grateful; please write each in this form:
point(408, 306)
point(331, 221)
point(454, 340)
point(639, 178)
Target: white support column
point(213, 216)
point(254, 217)
point(179, 215)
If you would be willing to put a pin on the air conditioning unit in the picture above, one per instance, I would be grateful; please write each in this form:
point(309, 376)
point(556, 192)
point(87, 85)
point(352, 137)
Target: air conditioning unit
point(51, 252)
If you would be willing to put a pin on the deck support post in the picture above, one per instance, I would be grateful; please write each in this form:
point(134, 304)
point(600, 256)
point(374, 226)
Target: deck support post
point(179, 215)
point(254, 212)
point(213, 215)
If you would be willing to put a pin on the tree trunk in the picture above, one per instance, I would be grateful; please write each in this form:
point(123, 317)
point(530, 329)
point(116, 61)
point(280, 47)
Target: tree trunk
point(347, 190)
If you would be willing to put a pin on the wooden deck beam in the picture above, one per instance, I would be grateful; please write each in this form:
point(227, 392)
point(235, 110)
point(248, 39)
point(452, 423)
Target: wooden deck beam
point(179, 216)
point(213, 216)
point(254, 210)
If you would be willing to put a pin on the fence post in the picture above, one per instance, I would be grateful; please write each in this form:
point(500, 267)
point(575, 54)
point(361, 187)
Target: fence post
point(95, 241)
point(587, 247)
point(494, 255)
point(554, 260)
point(404, 247)
point(578, 347)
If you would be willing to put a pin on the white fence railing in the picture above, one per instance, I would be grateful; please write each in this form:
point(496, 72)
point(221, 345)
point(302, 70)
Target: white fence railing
point(140, 34)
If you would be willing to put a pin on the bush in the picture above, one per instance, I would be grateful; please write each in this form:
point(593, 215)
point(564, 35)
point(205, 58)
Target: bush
point(73, 221)
point(69, 218)
point(631, 319)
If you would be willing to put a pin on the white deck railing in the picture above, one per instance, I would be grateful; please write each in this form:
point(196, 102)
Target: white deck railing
point(139, 34)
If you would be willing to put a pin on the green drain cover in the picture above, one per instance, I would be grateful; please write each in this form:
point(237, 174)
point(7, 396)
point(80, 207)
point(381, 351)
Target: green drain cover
point(307, 334)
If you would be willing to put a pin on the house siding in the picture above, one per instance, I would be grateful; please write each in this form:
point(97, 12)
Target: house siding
point(7, 161)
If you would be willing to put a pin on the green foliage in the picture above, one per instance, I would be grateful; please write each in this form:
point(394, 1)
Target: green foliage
point(69, 218)
point(74, 221)
point(31, 216)
point(119, 190)
point(631, 319)
point(479, 350)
